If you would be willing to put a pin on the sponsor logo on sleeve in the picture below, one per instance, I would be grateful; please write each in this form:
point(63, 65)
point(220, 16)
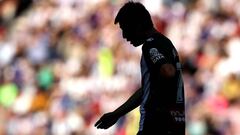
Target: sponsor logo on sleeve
point(155, 55)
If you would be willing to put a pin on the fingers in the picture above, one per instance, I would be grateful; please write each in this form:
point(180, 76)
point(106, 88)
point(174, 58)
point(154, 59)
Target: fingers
point(106, 121)
point(98, 123)
point(102, 123)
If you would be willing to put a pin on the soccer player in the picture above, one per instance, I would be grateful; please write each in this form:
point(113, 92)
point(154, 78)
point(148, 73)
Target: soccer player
point(161, 96)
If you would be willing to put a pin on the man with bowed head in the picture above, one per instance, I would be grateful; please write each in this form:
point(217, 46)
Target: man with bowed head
point(161, 96)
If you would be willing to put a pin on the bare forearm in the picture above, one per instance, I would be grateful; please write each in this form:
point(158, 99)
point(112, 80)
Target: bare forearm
point(133, 102)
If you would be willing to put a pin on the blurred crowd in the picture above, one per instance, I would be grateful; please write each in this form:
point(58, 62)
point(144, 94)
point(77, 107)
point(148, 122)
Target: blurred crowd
point(63, 63)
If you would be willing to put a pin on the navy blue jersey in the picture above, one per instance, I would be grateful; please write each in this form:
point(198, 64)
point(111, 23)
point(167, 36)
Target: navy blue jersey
point(163, 98)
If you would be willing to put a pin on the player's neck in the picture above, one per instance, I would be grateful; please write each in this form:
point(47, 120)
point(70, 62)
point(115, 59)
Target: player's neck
point(150, 33)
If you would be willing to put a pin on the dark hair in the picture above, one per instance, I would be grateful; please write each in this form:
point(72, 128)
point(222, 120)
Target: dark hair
point(133, 13)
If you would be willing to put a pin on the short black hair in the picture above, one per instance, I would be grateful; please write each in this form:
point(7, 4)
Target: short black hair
point(133, 13)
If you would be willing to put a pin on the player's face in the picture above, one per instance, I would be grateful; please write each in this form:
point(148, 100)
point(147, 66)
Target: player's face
point(131, 34)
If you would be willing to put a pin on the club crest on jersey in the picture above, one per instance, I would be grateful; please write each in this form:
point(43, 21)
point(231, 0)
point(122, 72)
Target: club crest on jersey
point(155, 55)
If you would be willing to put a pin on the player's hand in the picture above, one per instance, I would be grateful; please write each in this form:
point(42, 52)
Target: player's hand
point(107, 120)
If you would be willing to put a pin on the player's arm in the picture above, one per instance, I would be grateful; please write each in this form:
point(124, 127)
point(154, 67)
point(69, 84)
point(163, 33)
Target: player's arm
point(167, 70)
point(109, 119)
point(133, 102)
point(160, 60)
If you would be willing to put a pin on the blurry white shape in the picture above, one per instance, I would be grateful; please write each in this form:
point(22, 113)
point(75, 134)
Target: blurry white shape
point(112, 84)
point(233, 48)
point(67, 15)
point(154, 7)
point(7, 52)
point(72, 66)
point(222, 68)
point(212, 85)
point(60, 127)
point(228, 4)
point(95, 2)
point(65, 2)
point(56, 109)
point(183, 41)
point(194, 23)
point(197, 127)
point(230, 65)
point(178, 9)
point(94, 131)
point(234, 55)
point(115, 83)
point(211, 5)
point(75, 122)
point(36, 16)
point(40, 119)
point(25, 126)
point(76, 87)
point(129, 68)
point(219, 30)
point(24, 101)
point(174, 32)
point(229, 27)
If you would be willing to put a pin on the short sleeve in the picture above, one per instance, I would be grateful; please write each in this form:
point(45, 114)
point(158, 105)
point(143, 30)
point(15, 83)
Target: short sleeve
point(155, 56)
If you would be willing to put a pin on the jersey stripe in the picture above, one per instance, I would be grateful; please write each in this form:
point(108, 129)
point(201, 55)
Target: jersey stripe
point(146, 88)
point(179, 85)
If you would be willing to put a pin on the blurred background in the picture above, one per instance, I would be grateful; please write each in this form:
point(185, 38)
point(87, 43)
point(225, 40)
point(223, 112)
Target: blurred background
point(63, 63)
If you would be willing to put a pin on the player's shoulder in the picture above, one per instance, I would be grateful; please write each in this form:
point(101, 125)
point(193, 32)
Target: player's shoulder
point(158, 41)
point(165, 40)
